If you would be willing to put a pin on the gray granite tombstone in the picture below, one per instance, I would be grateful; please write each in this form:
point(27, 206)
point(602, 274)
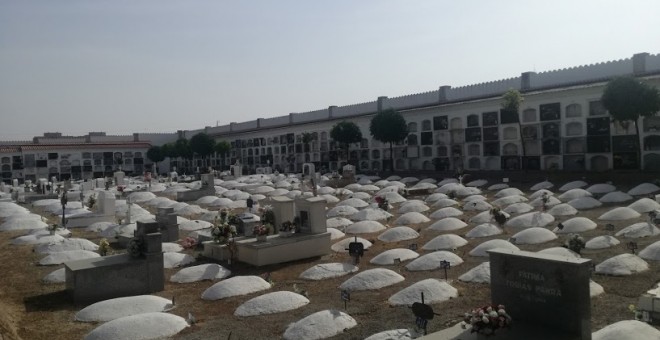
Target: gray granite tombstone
point(167, 222)
point(546, 295)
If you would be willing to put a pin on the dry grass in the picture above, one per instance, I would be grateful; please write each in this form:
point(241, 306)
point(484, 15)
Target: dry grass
point(31, 310)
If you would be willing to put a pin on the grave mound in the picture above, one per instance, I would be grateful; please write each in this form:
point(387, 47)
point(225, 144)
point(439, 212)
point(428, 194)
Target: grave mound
point(595, 289)
point(477, 205)
point(573, 185)
point(534, 235)
point(38, 239)
point(601, 242)
point(431, 261)
point(397, 234)
point(573, 194)
point(320, 325)
point(140, 326)
point(483, 230)
point(651, 252)
point(644, 205)
point(364, 227)
point(444, 202)
point(173, 260)
point(619, 214)
point(560, 251)
point(338, 222)
point(562, 209)
point(111, 309)
point(508, 192)
point(372, 279)
point(434, 291)
point(478, 274)
point(57, 276)
point(622, 265)
point(584, 203)
point(435, 197)
point(66, 256)
point(65, 245)
point(626, 330)
point(445, 242)
point(531, 219)
point(542, 185)
point(518, 208)
point(335, 234)
point(615, 197)
point(602, 188)
point(209, 271)
point(328, 270)
point(576, 225)
point(508, 200)
point(482, 249)
point(398, 334)
point(387, 257)
point(271, 303)
point(447, 224)
point(445, 212)
point(411, 218)
point(237, 285)
point(643, 189)
point(342, 246)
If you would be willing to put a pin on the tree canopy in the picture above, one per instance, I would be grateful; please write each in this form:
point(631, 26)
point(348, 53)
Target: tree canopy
point(628, 98)
point(202, 144)
point(346, 132)
point(222, 147)
point(388, 127)
point(511, 100)
point(182, 147)
point(155, 154)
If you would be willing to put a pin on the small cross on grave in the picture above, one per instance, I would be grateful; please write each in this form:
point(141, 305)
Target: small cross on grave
point(356, 250)
point(413, 247)
point(345, 296)
point(632, 246)
point(444, 264)
point(397, 261)
point(423, 313)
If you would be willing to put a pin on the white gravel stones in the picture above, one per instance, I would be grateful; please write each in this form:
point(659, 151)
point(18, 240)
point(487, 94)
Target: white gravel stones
point(220, 202)
point(338, 222)
point(602, 242)
point(622, 265)
point(584, 203)
point(644, 205)
point(424, 186)
point(638, 230)
point(533, 235)
point(573, 185)
point(208, 271)
point(560, 251)
point(626, 330)
point(643, 189)
point(477, 205)
point(22, 223)
point(542, 185)
point(435, 197)
point(394, 334)
point(444, 202)
point(415, 206)
point(595, 289)
point(509, 192)
point(477, 183)
point(518, 208)
point(562, 209)
point(434, 291)
point(57, 276)
point(320, 325)
point(364, 227)
point(237, 285)
point(66, 244)
point(431, 261)
point(37, 239)
point(573, 194)
point(447, 224)
point(66, 256)
point(467, 191)
point(615, 197)
point(602, 188)
point(532, 219)
point(342, 245)
point(111, 309)
point(507, 200)
point(371, 214)
point(397, 234)
point(482, 249)
point(485, 217)
point(619, 214)
point(576, 225)
point(328, 271)
point(341, 210)
point(651, 252)
point(445, 242)
point(275, 302)
point(141, 196)
point(335, 234)
point(446, 212)
point(478, 274)
point(394, 197)
point(193, 225)
point(498, 186)
point(538, 202)
point(387, 257)
point(139, 327)
point(371, 279)
point(173, 260)
point(483, 230)
point(353, 202)
point(411, 218)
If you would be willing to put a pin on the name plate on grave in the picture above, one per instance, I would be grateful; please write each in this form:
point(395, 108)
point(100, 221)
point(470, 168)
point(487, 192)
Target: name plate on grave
point(543, 290)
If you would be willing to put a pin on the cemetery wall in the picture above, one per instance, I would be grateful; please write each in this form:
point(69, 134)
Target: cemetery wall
point(309, 116)
point(582, 73)
point(157, 138)
point(483, 89)
point(244, 125)
point(653, 62)
point(275, 121)
point(218, 129)
point(355, 109)
point(412, 100)
point(111, 139)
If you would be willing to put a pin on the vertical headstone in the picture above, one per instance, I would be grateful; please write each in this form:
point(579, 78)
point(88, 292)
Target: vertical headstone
point(312, 215)
point(283, 209)
point(547, 293)
point(119, 178)
point(167, 221)
point(106, 203)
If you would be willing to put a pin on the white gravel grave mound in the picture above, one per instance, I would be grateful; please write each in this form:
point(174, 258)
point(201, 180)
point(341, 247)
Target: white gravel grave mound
point(651, 252)
point(538, 202)
point(534, 235)
point(477, 183)
point(509, 192)
point(335, 234)
point(394, 334)
point(482, 249)
point(467, 191)
point(542, 185)
point(394, 197)
point(622, 265)
point(360, 195)
point(275, 302)
point(422, 186)
point(330, 199)
point(445, 212)
point(584, 203)
point(475, 198)
point(508, 200)
point(57, 276)
point(431, 261)
point(141, 196)
point(354, 202)
point(627, 330)
point(478, 274)
point(320, 325)
point(615, 197)
point(444, 202)
point(415, 206)
point(371, 214)
point(38, 239)
point(139, 327)
point(539, 194)
point(595, 289)
point(434, 291)
point(445, 242)
point(27, 223)
point(328, 271)
point(364, 227)
point(173, 260)
point(573, 185)
point(341, 210)
point(387, 257)
point(643, 189)
point(98, 227)
point(237, 285)
point(342, 245)
point(518, 208)
point(498, 186)
point(447, 181)
point(193, 225)
point(573, 194)
point(338, 222)
point(326, 191)
point(619, 214)
point(447, 224)
point(66, 244)
point(45, 202)
point(111, 309)
point(477, 205)
point(485, 217)
point(66, 256)
point(562, 209)
point(638, 230)
point(560, 251)
point(397, 234)
point(644, 205)
point(447, 188)
point(483, 230)
point(411, 218)
point(531, 219)
point(208, 271)
point(601, 242)
point(601, 188)
point(576, 225)
point(435, 197)
point(43, 232)
point(372, 279)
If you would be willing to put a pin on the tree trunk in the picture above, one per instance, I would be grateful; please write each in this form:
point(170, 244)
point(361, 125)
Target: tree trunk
point(639, 147)
point(522, 146)
point(391, 158)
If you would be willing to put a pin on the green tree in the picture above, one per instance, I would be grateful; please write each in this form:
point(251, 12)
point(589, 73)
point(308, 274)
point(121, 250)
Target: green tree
point(511, 101)
point(183, 151)
point(627, 99)
point(389, 126)
point(155, 154)
point(202, 145)
point(345, 133)
point(222, 148)
point(307, 137)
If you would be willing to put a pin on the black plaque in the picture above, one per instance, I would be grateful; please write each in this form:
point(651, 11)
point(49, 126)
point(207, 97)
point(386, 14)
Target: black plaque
point(598, 126)
point(551, 146)
point(598, 144)
point(624, 144)
point(508, 116)
point(491, 133)
point(550, 111)
point(491, 148)
point(427, 138)
point(510, 163)
point(550, 130)
point(624, 160)
point(440, 123)
point(473, 134)
point(473, 120)
point(490, 118)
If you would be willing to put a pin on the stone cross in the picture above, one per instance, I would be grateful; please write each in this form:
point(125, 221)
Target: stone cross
point(128, 212)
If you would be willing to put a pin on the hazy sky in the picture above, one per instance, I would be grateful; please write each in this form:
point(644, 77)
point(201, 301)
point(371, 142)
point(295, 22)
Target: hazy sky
point(158, 65)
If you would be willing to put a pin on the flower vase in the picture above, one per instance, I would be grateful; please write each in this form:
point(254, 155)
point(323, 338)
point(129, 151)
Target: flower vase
point(262, 238)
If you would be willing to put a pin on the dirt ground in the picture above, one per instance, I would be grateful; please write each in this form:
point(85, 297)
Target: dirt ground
point(30, 309)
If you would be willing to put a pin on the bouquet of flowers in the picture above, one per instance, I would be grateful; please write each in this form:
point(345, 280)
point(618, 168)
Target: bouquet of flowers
point(222, 232)
point(189, 243)
point(575, 243)
point(287, 226)
point(135, 248)
point(104, 246)
point(260, 230)
point(267, 214)
point(486, 320)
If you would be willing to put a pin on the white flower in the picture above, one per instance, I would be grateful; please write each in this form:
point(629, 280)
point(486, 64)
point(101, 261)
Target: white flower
point(492, 314)
point(485, 319)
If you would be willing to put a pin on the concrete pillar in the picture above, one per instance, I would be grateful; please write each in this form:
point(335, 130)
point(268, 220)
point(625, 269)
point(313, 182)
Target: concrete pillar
point(231, 126)
point(259, 122)
point(639, 63)
point(331, 111)
point(381, 102)
point(526, 80)
point(443, 93)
